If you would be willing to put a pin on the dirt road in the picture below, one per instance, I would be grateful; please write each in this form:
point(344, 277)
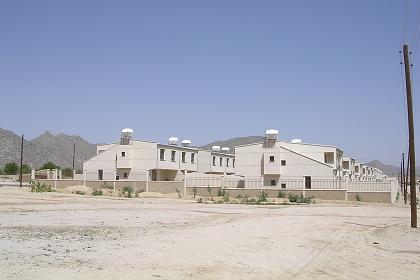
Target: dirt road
point(65, 236)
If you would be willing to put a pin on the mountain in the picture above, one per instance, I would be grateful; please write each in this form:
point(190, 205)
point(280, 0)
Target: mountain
point(231, 143)
point(389, 170)
point(46, 147)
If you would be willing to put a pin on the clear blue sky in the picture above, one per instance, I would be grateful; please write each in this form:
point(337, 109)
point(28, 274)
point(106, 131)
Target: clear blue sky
point(324, 71)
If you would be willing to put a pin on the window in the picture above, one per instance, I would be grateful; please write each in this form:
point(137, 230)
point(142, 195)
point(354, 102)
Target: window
point(283, 186)
point(162, 154)
point(273, 182)
point(308, 182)
point(100, 174)
point(271, 158)
point(192, 158)
point(233, 162)
point(122, 154)
point(173, 155)
point(346, 164)
point(220, 161)
point(183, 156)
point(329, 157)
point(283, 163)
point(125, 175)
point(227, 162)
point(214, 161)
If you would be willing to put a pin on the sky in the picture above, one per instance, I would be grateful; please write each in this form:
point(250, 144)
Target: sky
point(327, 72)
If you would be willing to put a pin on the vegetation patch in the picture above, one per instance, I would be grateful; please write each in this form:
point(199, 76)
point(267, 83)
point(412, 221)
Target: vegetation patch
point(127, 191)
point(97, 192)
point(38, 187)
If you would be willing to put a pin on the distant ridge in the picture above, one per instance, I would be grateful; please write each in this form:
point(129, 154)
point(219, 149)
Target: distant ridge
point(46, 147)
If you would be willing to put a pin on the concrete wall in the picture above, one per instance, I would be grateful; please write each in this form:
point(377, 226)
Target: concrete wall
point(327, 194)
point(166, 187)
point(383, 197)
point(253, 161)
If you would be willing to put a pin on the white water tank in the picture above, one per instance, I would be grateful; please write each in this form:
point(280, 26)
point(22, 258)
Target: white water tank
point(271, 133)
point(225, 149)
point(173, 141)
point(185, 143)
point(296, 141)
point(215, 148)
point(126, 136)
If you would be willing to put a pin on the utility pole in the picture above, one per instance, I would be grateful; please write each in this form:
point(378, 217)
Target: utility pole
point(74, 153)
point(21, 163)
point(411, 150)
point(404, 179)
point(401, 175)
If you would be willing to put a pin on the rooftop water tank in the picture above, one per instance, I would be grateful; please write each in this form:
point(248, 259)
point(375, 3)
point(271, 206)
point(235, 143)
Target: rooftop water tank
point(173, 141)
point(271, 133)
point(126, 136)
point(186, 143)
point(225, 149)
point(215, 148)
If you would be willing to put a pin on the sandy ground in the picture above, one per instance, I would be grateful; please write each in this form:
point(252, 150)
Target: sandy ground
point(67, 236)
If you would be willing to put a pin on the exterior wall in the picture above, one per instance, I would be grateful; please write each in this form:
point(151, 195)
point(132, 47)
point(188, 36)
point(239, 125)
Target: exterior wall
point(166, 187)
point(205, 162)
point(327, 194)
point(253, 161)
point(380, 197)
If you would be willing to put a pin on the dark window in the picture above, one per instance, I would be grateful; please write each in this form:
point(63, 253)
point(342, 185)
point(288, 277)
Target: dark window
point(283, 186)
point(192, 158)
point(233, 162)
point(273, 182)
point(173, 154)
point(214, 161)
point(227, 162)
point(183, 156)
point(308, 182)
point(100, 174)
point(220, 161)
point(125, 175)
point(162, 154)
point(123, 154)
point(283, 163)
point(271, 158)
point(117, 177)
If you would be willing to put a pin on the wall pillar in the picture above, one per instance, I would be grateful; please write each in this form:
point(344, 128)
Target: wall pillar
point(147, 180)
point(185, 182)
point(33, 174)
point(84, 177)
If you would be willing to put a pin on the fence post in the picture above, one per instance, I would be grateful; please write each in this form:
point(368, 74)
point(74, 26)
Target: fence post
point(147, 180)
point(304, 187)
point(115, 177)
point(185, 182)
point(33, 174)
point(84, 178)
point(55, 179)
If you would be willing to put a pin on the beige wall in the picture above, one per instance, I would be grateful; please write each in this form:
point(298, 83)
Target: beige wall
point(253, 161)
point(382, 197)
point(327, 194)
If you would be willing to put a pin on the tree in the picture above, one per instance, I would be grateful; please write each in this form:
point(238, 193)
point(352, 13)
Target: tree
point(50, 165)
point(11, 168)
point(25, 169)
point(67, 172)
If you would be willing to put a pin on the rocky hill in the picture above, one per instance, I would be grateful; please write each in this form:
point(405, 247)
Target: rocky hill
point(46, 147)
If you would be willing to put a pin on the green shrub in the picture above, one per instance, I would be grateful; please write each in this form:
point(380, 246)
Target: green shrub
point(195, 191)
point(263, 197)
point(97, 192)
point(221, 192)
point(281, 195)
point(80, 192)
point(209, 190)
point(127, 191)
point(200, 200)
point(178, 191)
point(357, 197)
point(38, 187)
point(299, 199)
